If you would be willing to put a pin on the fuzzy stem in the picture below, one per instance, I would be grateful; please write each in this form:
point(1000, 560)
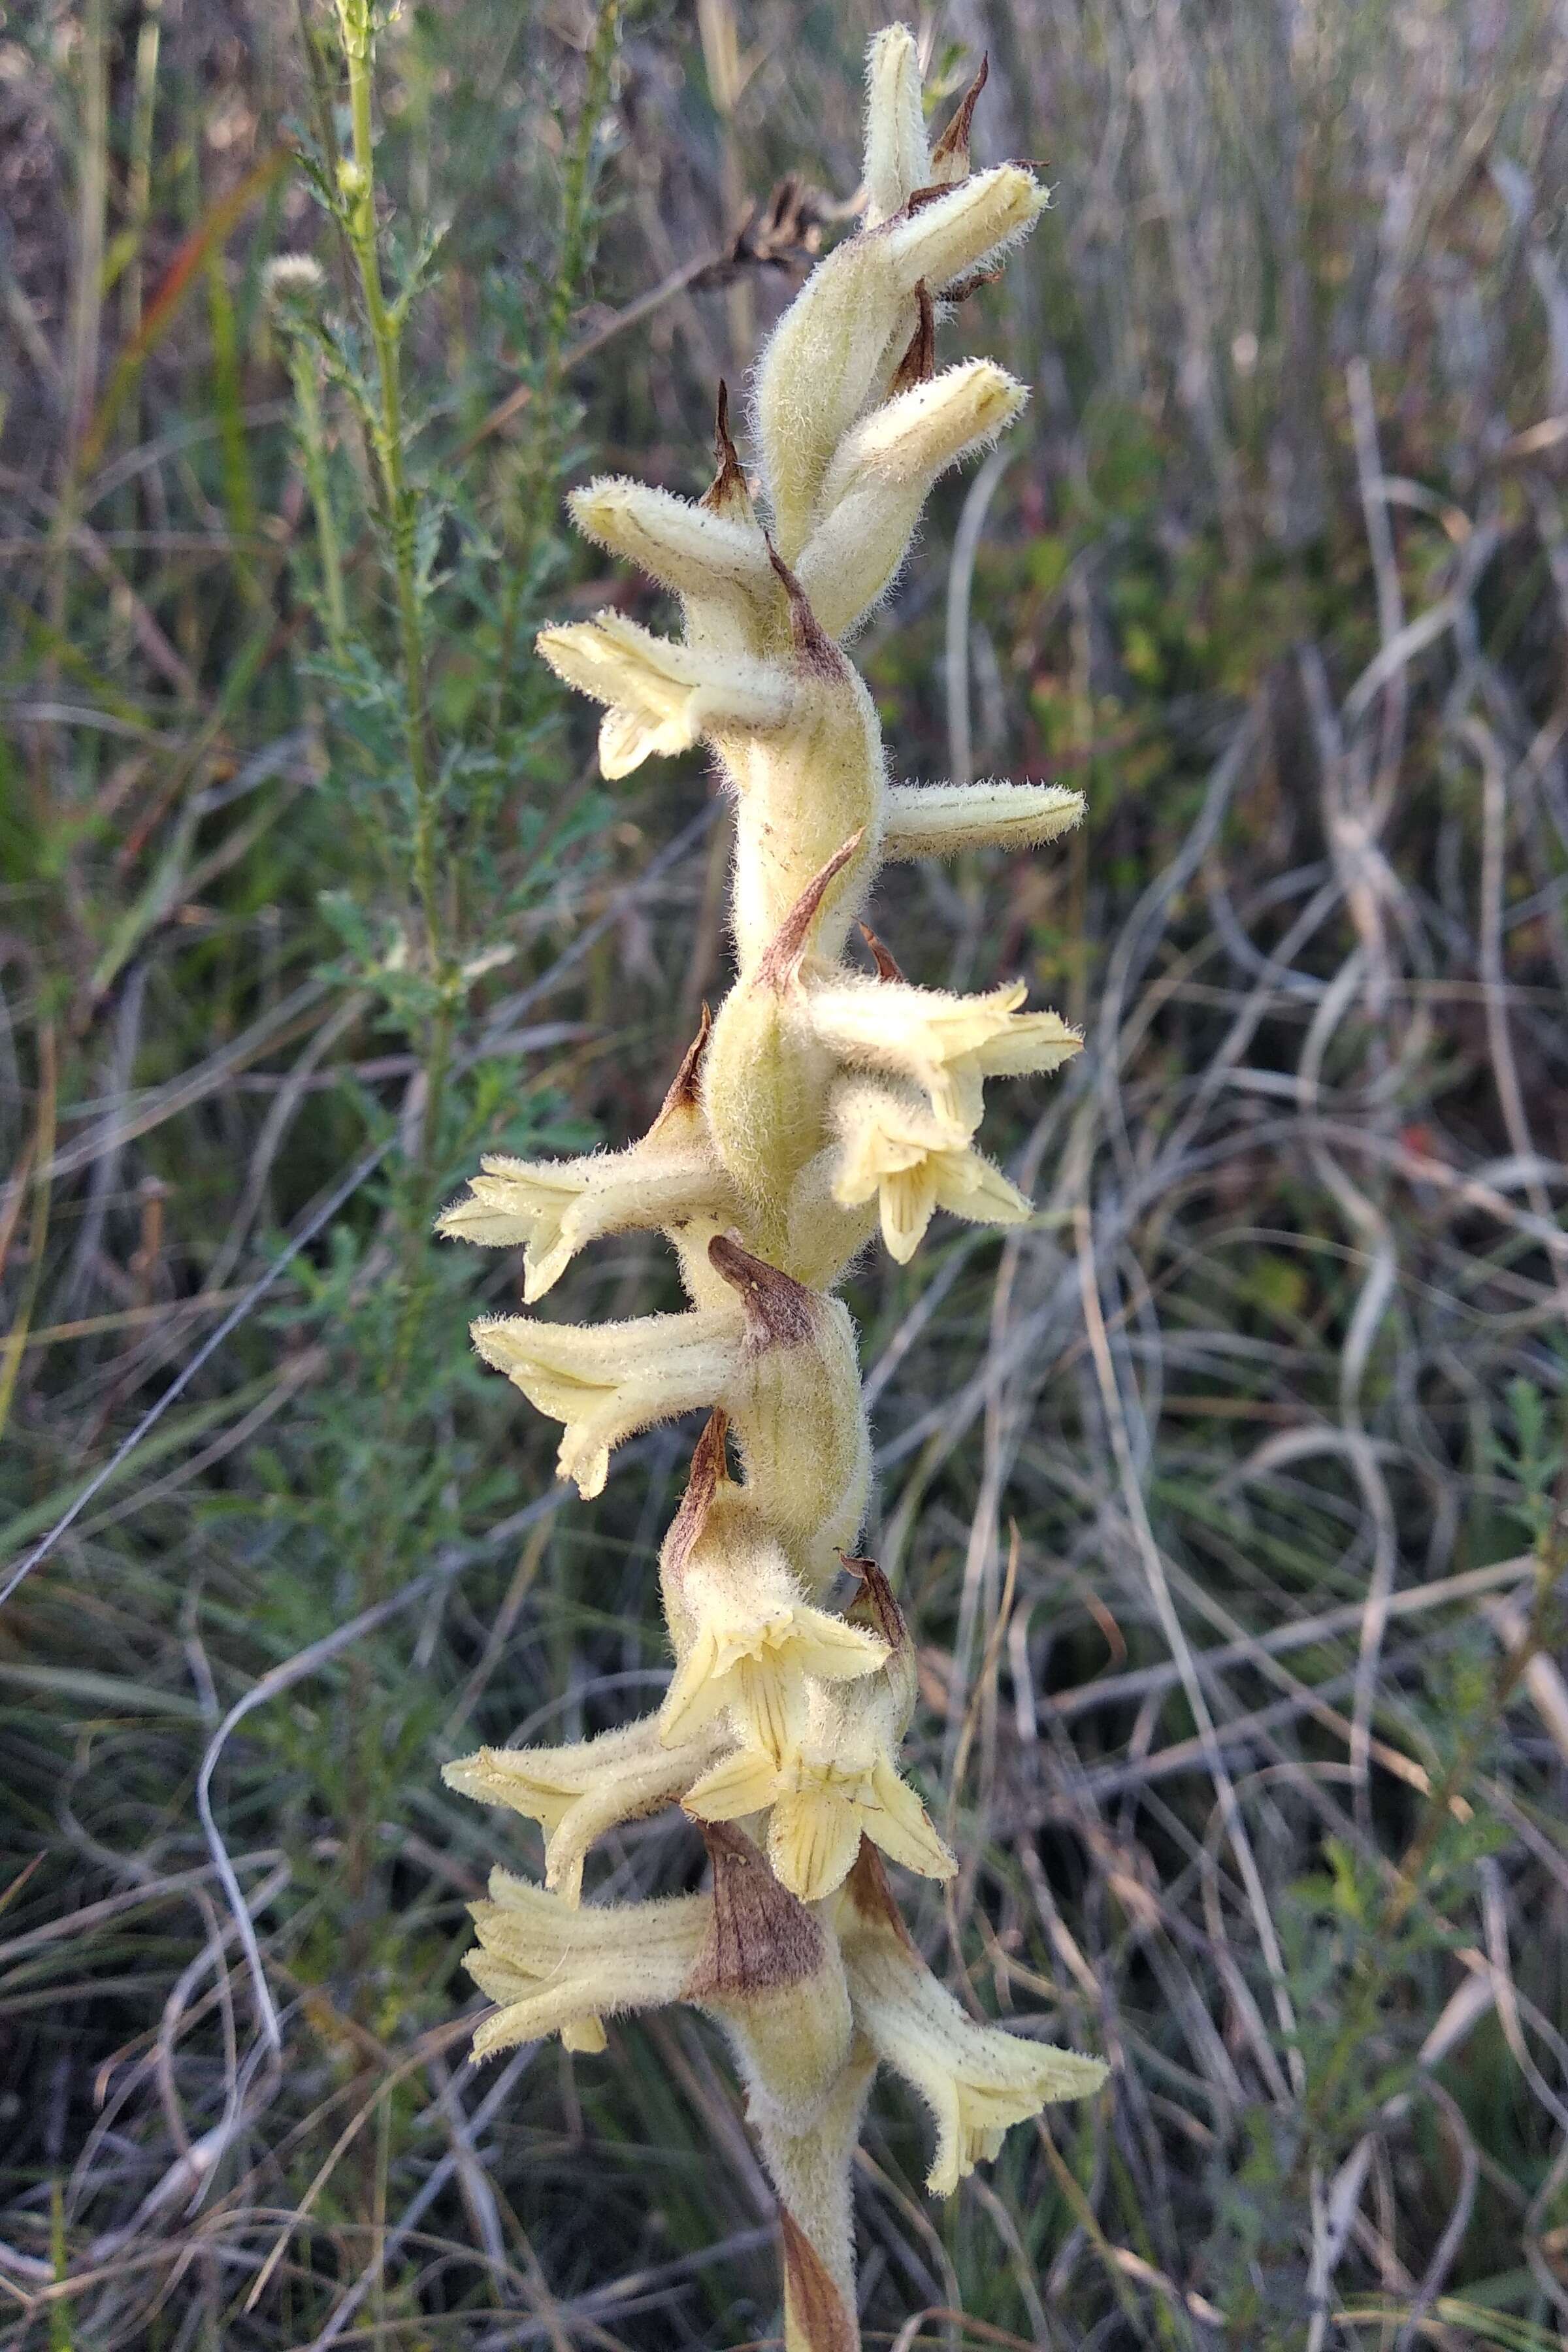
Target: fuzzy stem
point(811, 2171)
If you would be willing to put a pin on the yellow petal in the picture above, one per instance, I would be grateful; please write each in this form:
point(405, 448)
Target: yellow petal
point(825, 1645)
point(906, 1199)
point(900, 1825)
point(694, 1693)
point(626, 738)
point(812, 1839)
point(743, 1783)
point(587, 2037)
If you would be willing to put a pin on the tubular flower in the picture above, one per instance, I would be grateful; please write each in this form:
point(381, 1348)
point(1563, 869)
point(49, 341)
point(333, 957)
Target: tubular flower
point(947, 1044)
point(895, 1151)
point(606, 1382)
point(829, 1778)
point(660, 696)
point(819, 1102)
point(549, 1966)
point(670, 1181)
point(746, 1635)
point(977, 2080)
point(577, 1792)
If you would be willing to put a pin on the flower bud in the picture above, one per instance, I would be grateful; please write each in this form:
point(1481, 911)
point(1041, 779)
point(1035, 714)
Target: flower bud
point(896, 161)
point(840, 340)
point(705, 556)
point(293, 281)
point(977, 2079)
point(877, 483)
point(940, 820)
point(969, 228)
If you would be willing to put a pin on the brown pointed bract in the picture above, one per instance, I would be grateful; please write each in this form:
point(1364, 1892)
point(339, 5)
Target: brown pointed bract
point(783, 958)
point(953, 144)
point(780, 1311)
point(882, 956)
point(919, 363)
point(759, 1937)
point(728, 488)
point(814, 650)
point(814, 2302)
point(867, 1887)
point(710, 1471)
point(685, 1092)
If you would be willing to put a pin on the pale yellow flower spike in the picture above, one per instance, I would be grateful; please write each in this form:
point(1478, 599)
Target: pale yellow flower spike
point(819, 1103)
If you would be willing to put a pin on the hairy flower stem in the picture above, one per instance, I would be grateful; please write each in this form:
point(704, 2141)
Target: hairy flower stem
point(824, 1100)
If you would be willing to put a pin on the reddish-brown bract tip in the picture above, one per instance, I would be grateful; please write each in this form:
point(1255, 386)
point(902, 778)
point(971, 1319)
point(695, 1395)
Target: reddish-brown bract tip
point(814, 648)
point(815, 2304)
point(954, 140)
point(760, 1937)
point(710, 1471)
point(781, 959)
point(919, 363)
point(780, 1311)
point(684, 1090)
point(886, 962)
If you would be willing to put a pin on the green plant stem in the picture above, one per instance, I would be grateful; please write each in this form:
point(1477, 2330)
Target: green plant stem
point(313, 449)
point(359, 187)
point(539, 471)
point(359, 53)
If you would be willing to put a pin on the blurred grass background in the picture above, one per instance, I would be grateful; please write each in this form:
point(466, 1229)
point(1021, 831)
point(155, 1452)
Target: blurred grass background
point(1225, 1498)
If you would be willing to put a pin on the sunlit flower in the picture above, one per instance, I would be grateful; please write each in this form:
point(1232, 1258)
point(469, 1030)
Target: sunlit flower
point(944, 1043)
point(660, 696)
point(670, 1180)
point(894, 1150)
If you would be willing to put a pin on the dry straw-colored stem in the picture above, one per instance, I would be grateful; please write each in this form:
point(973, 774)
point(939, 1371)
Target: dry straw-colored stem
point(828, 1097)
